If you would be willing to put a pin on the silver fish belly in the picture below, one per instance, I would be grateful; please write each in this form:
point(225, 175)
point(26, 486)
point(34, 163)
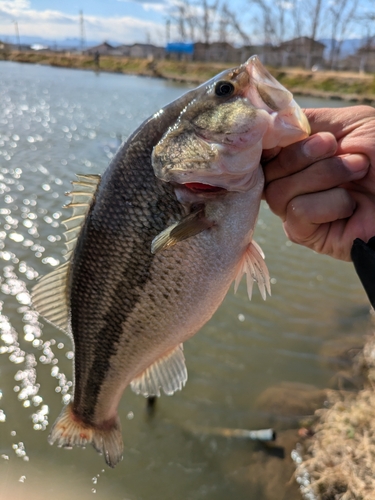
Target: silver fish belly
point(154, 245)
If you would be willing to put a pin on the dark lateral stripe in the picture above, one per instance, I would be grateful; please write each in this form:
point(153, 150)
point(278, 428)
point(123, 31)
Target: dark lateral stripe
point(134, 267)
point(111, 334)
point(129, 181)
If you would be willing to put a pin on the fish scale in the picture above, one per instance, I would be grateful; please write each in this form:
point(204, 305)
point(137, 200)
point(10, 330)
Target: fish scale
point(116, 235)
point(154, 245)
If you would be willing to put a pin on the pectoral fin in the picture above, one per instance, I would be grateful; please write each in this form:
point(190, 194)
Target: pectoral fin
point(189, 226)
point(252, 264)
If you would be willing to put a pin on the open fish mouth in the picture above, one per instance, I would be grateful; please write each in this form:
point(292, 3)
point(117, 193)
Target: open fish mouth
point(219, 136)
point(199, 187)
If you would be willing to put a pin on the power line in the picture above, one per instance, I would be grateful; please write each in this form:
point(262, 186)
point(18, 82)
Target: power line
point(17, 34)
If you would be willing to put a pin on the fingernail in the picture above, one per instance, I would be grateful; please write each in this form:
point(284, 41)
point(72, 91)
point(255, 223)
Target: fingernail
point(356, 163)
point(319, 145)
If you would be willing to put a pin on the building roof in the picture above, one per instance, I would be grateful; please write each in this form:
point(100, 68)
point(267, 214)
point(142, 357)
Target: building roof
point(300, 40)
point(104, 45)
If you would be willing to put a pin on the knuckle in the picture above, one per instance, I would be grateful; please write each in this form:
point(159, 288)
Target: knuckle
point(291, 156)
point(298, 210)
point(366, 110)
point(276, 197)
point(337, 168)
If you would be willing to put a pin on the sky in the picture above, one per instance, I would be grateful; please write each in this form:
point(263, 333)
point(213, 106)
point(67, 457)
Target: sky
point(118, 21)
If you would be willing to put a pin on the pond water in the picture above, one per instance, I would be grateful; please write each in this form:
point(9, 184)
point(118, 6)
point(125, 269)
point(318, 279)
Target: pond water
point(58, 122)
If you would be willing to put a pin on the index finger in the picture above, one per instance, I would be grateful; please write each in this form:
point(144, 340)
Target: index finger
point(300, 155)
point(338, 121)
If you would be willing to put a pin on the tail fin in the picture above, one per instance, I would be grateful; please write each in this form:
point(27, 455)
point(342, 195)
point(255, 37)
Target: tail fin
point(69, 430)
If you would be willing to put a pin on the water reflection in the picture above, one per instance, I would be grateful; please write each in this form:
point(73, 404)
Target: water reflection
point(55, 123)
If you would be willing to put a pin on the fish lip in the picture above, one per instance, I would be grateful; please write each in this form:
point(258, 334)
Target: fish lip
point(204, 188)
point(186, 195)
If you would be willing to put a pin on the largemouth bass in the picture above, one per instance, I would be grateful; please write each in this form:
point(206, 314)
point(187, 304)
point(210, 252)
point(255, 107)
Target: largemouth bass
point(154, 245)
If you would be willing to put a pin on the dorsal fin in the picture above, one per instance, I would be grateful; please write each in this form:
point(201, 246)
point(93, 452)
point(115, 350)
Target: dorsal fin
point(50, 295)
point(168, 372)
point(82, 195)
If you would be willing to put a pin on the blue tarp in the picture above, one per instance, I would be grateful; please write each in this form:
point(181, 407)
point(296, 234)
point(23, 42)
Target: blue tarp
point(182, 48)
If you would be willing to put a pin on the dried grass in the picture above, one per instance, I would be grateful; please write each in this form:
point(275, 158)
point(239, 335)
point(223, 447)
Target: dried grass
point(340, 460)
point(353, 87)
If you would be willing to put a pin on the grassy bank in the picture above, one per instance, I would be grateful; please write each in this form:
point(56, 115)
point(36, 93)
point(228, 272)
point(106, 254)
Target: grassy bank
point(337, 85)
point(339, 460)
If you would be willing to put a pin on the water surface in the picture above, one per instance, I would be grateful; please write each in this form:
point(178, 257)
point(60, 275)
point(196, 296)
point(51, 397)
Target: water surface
point(53, 124)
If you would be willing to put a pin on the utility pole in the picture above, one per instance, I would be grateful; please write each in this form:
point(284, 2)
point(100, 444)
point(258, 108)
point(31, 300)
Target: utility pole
point(17, 35)
point(82, 30)
point(168, 30)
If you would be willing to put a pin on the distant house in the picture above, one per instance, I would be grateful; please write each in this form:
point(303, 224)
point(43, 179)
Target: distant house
point(302, 51)
point(267, 53)
point(146, 51)
point(137, 50)
point(15, 46)
point(295, 52)
point(123, 50)
point(364, 59)
point(104, 49)
point(4, 46)
point(215, 52)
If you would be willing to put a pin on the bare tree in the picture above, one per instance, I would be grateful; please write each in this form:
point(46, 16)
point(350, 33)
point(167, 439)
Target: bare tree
point(296, 18)
point(342, 15)
point(275, 19)
point(367, 24)
point(315, 11)
point(232, 20)
point(191, 20)
point(208, 19)
point(178, 17)
point(268, 17)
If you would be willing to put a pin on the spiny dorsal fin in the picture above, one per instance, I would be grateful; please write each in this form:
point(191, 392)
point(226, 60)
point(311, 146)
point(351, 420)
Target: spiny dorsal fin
point(252, 264)
point(50, 295)
point(82, 195)
point(189, 226)
point(168, 373)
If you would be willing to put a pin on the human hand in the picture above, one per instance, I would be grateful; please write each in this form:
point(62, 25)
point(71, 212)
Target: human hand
point(323, 188)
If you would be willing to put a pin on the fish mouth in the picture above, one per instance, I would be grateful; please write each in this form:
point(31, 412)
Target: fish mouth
point(199, 187)
point(197, 192)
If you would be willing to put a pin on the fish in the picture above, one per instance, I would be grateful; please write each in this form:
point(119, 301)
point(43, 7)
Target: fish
point(154, 244)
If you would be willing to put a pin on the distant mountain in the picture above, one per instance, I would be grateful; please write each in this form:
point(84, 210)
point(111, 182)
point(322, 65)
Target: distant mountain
point(348, 47)
point(67, 43)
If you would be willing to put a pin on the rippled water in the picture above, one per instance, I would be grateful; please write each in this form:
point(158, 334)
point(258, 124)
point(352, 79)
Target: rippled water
point(53, 124)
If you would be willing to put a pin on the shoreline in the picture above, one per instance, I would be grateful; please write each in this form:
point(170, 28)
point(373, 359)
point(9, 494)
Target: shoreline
point(343, 86)
point(337, 460)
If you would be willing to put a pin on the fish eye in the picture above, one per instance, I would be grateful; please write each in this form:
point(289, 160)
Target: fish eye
point(224, 88)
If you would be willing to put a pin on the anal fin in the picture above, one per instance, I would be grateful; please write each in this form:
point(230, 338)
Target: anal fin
point(69, 431)
point(252, 264)
point(168, 373)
